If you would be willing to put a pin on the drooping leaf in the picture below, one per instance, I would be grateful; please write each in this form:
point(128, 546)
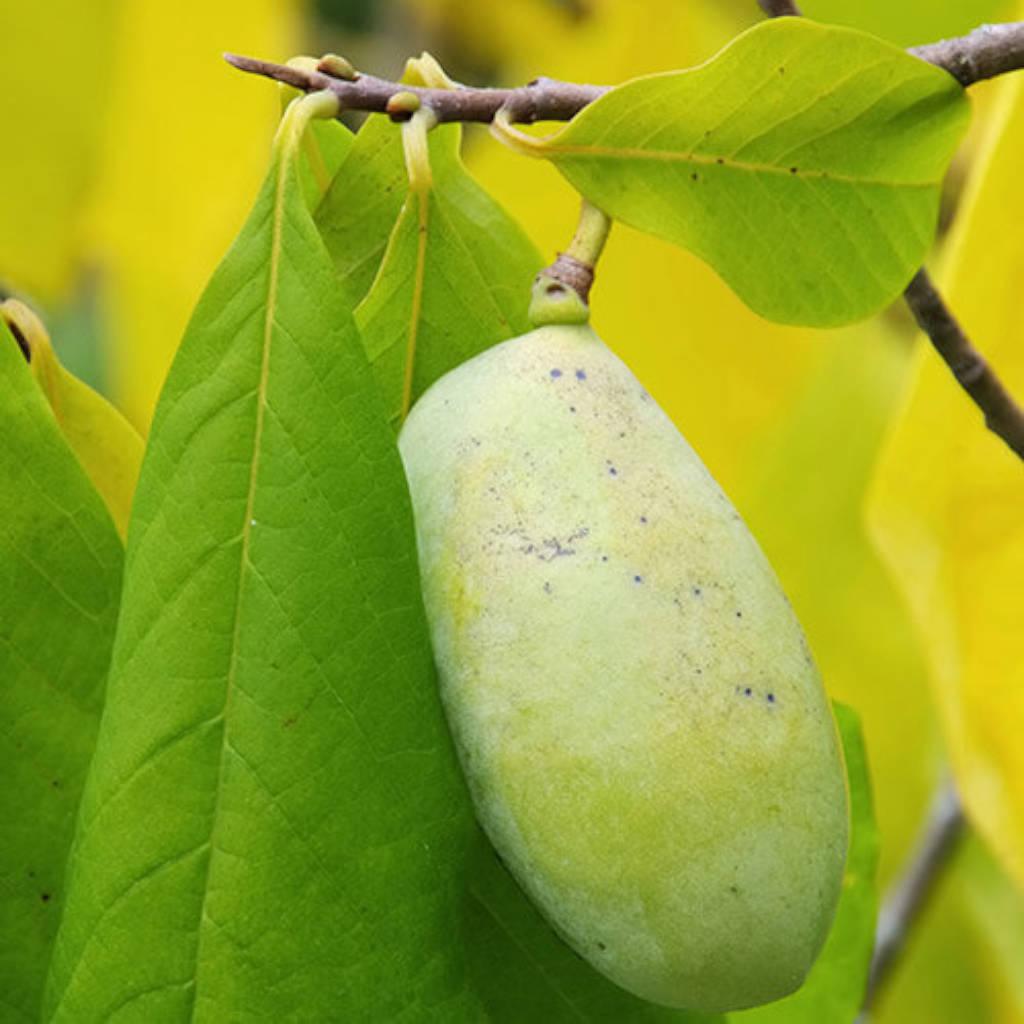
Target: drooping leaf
point(107, 445)
point(796, 140)
point(834, 990)
point(454, 276)
point(454, 281)
point(945, 510)
point(60, 576)
point(274, 826)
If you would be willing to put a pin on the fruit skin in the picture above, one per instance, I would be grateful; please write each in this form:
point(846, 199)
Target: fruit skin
point(642, 727)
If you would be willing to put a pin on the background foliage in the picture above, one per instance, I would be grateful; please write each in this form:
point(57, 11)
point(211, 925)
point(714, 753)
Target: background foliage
point(124, 197)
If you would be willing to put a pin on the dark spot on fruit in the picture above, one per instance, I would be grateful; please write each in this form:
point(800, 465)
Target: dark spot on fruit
point(739, 615)
point(771, 698)
point(547, 587)
point(581, 375)
point(612, 471)
point(782, 71)
point(638, 579)
point(604, 558)
point(556, 373)
point(747, 691)
point(572, 408)
point(697, 592)
point(622, 433)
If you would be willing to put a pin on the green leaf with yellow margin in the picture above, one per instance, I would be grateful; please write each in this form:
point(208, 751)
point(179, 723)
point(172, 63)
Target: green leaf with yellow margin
point(274, 825)
point(60, 579)
point(794, 132)
point(945, 509)
point(107, 445)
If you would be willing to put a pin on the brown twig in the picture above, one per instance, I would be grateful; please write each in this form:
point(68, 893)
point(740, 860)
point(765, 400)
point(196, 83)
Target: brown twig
point(988, 51)
point(908, 896)
point(543, 99)
point(1003, 416)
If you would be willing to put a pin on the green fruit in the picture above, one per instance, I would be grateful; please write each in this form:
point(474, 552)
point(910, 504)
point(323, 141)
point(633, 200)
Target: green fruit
point(644, 733)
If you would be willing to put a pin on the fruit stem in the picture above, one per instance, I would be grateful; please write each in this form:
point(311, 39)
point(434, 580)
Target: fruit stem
point(591, 234)
point(561, 292)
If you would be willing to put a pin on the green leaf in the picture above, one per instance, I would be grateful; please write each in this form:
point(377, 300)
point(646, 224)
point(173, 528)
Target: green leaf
point(360, 207)
point(325, 146)
point(802, 162)
point(454, 281)
point(834, 990)
point(60, 577)
point(524, 972)
point(274, 827)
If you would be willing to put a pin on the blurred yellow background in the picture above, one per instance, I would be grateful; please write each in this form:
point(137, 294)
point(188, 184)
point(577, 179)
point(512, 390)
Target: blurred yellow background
point(133, 153)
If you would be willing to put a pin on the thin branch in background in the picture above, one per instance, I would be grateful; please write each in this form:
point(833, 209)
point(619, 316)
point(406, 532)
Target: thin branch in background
point(910, 893)
point(1003, 416)
point(780, 8)
point(986, 52)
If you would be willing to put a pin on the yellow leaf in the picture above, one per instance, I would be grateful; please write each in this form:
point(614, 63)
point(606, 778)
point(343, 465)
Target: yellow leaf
point(107, 446)
point(185, 152)
point(947, 506)
point(54, 74)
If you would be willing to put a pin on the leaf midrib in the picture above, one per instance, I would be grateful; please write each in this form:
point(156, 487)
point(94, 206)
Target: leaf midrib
point(246, 537)
point(701, 159)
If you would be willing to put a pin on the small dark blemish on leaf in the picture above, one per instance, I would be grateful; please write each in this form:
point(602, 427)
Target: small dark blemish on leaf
point(720, 160)
point(45, 897)
point(638, 579)
point(55, 783)
point(289, 722)
point(556, 373)
point(601, 946)
point(792, 170)
point(739, 615)
point(613, 471)
point(734, 889)
point(694, 176)
point(782, 71)
point(572, 408)
point(643, 519)
point(547, 587)
point(697, 592)
point(747, 692)
point(581, 375)
point(604, 558)
point(771, 698)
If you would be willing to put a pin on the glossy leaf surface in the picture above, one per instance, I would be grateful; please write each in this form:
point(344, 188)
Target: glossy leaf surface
point(795, 140)
point(60, 577)
point(273, 825)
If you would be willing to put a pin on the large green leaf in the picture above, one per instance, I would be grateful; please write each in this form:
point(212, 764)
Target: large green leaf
point(803, 163)
point(274, 827)
point(834, 990)
point(60, 578)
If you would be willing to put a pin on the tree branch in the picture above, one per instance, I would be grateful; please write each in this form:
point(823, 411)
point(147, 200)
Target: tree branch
point(908, 896)
point(988, 51)
point(543, 99)
point(1002, 414)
